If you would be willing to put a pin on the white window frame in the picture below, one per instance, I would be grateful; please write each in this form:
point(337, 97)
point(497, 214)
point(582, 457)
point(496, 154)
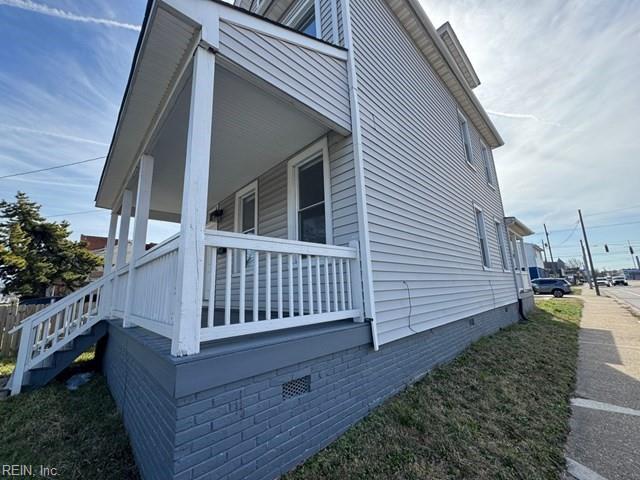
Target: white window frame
point(300, 11)
point(240, 195)
point(481, 232)
point(488, 164)
point(307, 155)
point(502, 245)
point(465, 134)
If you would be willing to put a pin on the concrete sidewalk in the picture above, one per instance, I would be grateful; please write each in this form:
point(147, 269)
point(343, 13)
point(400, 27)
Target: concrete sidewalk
point(605, 425)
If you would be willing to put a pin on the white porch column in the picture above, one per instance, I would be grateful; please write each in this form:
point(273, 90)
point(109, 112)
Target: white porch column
point(106, 297)
point(186, 333)
point(111, 242)
point(143, 203)
point(123, 234)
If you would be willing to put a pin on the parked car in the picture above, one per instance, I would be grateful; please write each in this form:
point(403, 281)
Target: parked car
point(558, 287)
point(603, 282)
point(620, 280)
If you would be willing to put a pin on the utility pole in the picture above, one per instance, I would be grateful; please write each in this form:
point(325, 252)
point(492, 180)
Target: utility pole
point(638, 261)
point(631, 252)
point(586, 242)
point(586, 265)
point(546, 232)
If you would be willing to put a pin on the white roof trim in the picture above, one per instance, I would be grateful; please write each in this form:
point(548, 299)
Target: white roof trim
point(450, 39)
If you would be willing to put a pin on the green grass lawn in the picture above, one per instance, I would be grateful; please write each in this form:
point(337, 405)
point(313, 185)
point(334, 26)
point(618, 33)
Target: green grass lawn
point(79, 433)
point(499, 411)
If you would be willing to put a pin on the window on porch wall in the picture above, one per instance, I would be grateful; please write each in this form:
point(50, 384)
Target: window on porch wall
point(311, 204)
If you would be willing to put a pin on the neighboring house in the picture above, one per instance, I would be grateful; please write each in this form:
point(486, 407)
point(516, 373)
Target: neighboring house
point(98, 246)
point(632, 273)
point(535, 262)
point(341, 229)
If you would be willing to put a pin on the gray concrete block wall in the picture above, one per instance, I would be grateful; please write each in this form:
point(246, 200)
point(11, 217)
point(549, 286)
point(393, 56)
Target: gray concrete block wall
point(246, 430)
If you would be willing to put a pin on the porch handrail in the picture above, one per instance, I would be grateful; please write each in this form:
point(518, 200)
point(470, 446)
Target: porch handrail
point(159, 250)
point(64, 302)
point(55, 326)
point(222, 239)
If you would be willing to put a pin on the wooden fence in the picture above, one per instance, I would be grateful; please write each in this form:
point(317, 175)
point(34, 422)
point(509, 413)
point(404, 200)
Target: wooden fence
point(11, 315)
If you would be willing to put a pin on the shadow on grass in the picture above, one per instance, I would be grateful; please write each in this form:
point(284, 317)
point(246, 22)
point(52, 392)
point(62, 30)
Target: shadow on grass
point(500, 410)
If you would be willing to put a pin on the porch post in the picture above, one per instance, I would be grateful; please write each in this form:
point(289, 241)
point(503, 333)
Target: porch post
point(111, 241)
point(143, 203)
point(123, 234)
point(106, 298)
point(188, 312)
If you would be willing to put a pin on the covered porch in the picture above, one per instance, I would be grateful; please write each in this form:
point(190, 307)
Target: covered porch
point(217, 98)
point(517, 231)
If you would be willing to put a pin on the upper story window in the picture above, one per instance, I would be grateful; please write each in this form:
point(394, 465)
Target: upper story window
point(466, 137)
point(309, 195)
point(303, 18)
point(482, 237)
point(486, 159)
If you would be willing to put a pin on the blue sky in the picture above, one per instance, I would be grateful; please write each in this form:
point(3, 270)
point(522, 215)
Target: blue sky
point(558, 77)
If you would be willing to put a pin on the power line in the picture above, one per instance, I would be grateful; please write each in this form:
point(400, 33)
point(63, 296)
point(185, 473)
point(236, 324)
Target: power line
point(76, 213)
point(596, 226)
point(570, 235)
point(51, 168)
point(632, 207)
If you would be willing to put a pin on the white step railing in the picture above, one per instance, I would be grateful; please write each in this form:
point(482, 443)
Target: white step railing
point(255, 284)
point(49, 330)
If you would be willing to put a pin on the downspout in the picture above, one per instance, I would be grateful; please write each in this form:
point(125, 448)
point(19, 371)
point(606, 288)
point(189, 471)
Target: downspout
point(358, 160)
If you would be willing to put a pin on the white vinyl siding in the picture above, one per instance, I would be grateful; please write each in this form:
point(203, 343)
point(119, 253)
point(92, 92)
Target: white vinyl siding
point(418, 191)
point(272, 205)
point(316, 80)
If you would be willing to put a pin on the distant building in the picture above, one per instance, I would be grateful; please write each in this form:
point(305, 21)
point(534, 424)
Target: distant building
point(632, 273)
point(556, 269)
point(97, 245)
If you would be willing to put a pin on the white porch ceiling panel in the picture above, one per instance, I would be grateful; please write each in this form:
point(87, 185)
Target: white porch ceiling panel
point(252, 132)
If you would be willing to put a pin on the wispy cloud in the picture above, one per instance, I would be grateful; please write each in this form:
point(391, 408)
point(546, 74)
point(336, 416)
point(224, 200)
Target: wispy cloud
point(51, 134)
point(56, 12)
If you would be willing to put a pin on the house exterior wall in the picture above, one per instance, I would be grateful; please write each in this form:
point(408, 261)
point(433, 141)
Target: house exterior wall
point(214, 417)
point(273, 214)
point(315, 80)
point(420, 192)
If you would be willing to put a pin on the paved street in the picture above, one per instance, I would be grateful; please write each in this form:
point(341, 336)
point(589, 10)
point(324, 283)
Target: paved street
point(629, 295)
point(605, 422)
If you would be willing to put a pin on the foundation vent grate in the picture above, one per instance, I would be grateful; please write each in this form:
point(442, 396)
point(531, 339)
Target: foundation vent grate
point(297, 387)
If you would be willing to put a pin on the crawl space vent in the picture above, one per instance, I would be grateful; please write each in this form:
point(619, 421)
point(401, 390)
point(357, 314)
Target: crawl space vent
point(297, 387)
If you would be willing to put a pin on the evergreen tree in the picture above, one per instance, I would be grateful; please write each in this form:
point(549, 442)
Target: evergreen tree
point(35, 253)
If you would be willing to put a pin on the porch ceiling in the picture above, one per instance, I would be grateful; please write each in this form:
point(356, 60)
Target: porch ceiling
point(252, 132)
point(264, 111)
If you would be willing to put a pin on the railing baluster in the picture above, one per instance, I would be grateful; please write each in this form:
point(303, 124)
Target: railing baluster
point(256, 286)
point(335, 285)
point(243, 278)
point(327, 293)
point(291, 295)
point(211, 312)
point(300, 287)
point(349, 299)
point(310, 280)
point(227, 288)
point(318, 285)
point(280, 313)
point(267, 292)
point(341, 284)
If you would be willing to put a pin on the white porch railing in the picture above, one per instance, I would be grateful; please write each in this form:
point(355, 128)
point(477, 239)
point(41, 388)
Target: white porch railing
point(255, 284)
point(154, 290)
point(55, 326)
